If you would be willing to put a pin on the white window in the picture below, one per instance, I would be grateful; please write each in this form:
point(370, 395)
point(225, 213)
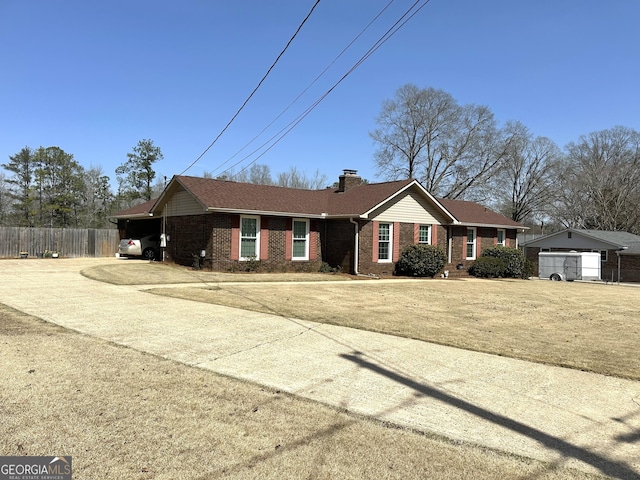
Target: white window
point(424, 235)
point(502, 237)
point(300, 247)
point(385, 234)
point(471, 243)
point(249, 238)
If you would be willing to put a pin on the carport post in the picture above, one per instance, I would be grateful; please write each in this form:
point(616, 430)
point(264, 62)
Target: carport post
point(618, 254)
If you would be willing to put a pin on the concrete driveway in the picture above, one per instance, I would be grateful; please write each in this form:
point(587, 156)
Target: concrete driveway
point(577, 419)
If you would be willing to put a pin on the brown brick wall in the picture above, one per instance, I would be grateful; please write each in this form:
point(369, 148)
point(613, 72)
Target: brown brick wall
point(338, 237)
point(458, 244)
point(367, 266)
point(189, 235)
point(441, 239)
point(485, 237)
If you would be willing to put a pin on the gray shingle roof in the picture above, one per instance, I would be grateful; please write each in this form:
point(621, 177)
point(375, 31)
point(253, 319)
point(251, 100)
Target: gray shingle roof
point(619, 238)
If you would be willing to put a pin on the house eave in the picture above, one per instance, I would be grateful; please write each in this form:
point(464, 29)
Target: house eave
point(266, 213)
point(493, 225)
point(135, 216)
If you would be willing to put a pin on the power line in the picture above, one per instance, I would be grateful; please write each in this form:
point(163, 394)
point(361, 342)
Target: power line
point(302, 92)
point(408, 15)
point(255, 89)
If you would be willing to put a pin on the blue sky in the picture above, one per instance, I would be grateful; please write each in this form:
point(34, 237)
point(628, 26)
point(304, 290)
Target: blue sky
point(94, 78)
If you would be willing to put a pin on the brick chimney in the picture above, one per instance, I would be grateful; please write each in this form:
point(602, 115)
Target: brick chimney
point(348, 179)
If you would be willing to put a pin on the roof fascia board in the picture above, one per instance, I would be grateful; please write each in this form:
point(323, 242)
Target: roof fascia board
point(133, 215)
point(266, 212)
point(492, 225)
point(424, 192)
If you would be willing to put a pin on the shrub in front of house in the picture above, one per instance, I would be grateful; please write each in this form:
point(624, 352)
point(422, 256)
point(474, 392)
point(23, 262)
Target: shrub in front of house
point(529, 268)
point(515, 263)
point(421, 261)
point(487, 267)
point(326, 268)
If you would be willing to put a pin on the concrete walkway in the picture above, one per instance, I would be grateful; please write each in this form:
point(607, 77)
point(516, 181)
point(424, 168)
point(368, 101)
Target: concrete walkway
point(573, 418)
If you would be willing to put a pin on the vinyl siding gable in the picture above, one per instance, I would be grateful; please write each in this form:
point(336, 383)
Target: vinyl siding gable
point(410, 207)
point(183, 203)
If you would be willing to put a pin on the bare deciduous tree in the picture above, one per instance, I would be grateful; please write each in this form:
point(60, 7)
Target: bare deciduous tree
point(524, 186)
point(601, 181)
point(425, 134)
point(261, 174)
point(296, 179)
point(98, 198)
point(258, 173)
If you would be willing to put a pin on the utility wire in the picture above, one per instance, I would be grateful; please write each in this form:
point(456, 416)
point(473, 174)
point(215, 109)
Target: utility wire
point(303, 91)
point(408, 15)
point(255, 89)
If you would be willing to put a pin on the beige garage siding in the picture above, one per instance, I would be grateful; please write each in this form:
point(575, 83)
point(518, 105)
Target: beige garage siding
point(409, 207)
point(183, 203)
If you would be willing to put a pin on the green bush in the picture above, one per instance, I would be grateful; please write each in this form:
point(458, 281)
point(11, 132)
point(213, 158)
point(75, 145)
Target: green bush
point(326, 268)
point(529, 268)
point(515, 263)
point(487, 267)
point(421, 261)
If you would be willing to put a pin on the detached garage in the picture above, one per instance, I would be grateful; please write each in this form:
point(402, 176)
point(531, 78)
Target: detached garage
point(619, 251)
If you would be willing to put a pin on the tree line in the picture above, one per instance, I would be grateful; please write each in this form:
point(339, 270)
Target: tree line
point(49, 188)
point(456, 151)
point(459, 152)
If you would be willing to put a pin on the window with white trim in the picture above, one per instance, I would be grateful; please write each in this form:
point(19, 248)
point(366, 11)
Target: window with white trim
point(385, 234)
point(249, 238)
point(471, 243)
point(300, 249)
point(502, 237)
point(424, 234)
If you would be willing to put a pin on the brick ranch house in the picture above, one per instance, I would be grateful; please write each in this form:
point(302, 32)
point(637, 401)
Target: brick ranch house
point(360, 227)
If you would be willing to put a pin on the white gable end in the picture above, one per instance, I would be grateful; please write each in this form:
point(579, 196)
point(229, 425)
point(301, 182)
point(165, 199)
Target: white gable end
point(410, 207)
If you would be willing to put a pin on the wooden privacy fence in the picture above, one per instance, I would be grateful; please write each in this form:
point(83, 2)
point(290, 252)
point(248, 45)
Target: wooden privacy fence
point(67, 242)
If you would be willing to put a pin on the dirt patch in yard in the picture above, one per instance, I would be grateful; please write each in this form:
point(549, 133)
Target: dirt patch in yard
point(129, 415)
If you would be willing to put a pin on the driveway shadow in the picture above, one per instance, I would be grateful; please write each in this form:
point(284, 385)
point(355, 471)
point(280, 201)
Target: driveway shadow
point(604, 465)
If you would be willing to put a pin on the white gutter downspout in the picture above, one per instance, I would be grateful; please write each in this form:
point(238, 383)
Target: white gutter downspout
point(357, 246)
point(355, 253)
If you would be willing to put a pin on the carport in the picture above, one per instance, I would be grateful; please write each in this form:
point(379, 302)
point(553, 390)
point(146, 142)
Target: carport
point(137, 221)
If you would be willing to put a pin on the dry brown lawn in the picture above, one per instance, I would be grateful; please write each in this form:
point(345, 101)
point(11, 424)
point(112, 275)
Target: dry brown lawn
point(593, 327)
point(123, 414)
